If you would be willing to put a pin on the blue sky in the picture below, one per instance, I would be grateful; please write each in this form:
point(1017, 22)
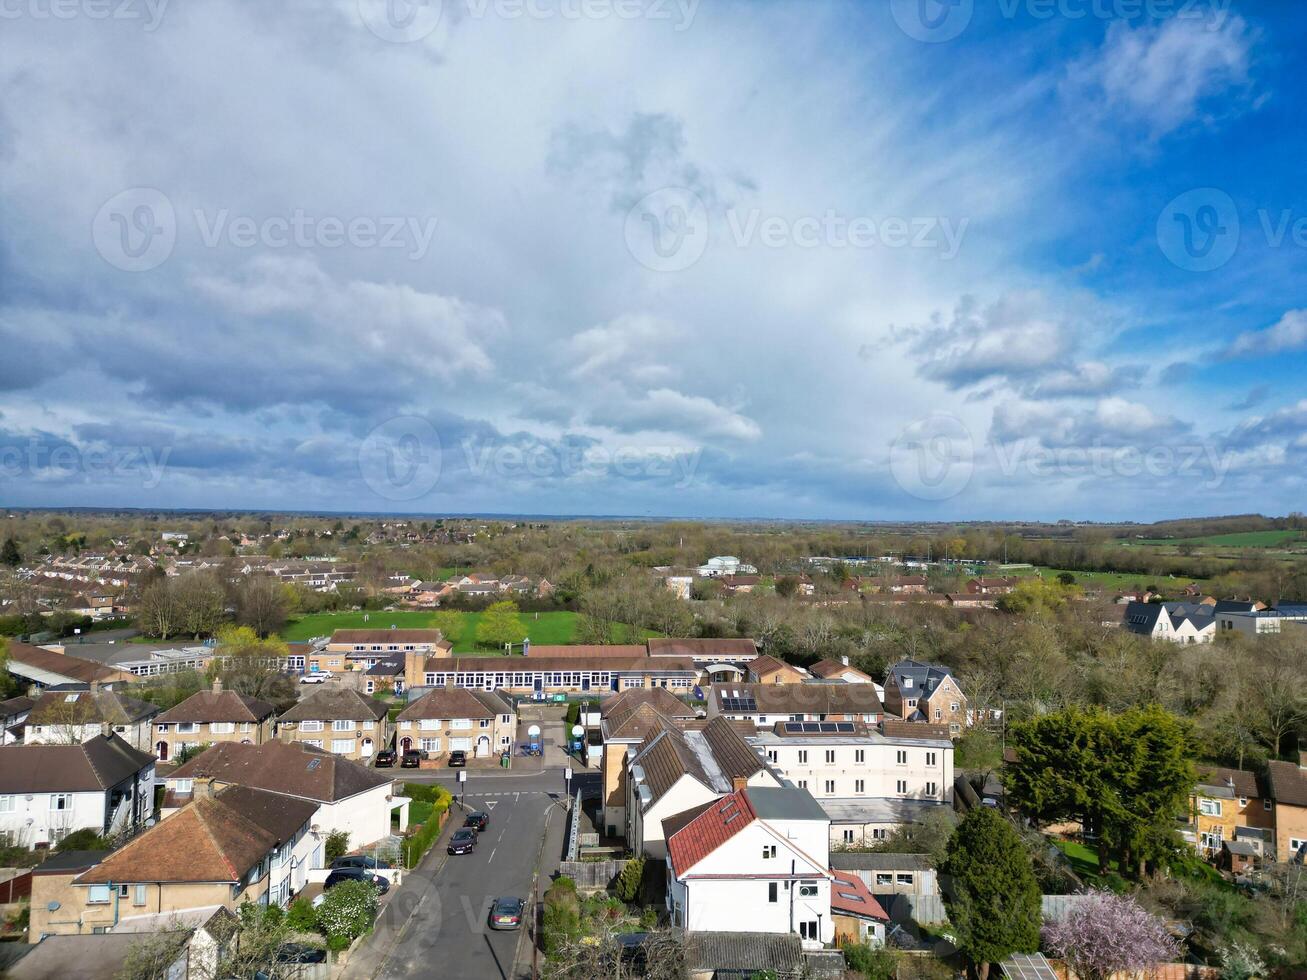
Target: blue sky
point(1009, 259)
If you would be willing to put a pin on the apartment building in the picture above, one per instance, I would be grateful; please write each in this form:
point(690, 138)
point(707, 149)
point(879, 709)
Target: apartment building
point(916, 691)
point(626, 720)
point(339, 720)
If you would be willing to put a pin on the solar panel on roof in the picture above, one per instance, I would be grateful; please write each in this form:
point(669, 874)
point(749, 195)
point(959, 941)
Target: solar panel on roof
point(829, 726)
point(844, 726)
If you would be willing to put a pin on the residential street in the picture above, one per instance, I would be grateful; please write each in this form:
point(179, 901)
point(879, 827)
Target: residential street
point(437, 922)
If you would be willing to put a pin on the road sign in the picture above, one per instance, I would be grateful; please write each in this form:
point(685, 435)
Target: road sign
point(578, 730)
point(462, 775)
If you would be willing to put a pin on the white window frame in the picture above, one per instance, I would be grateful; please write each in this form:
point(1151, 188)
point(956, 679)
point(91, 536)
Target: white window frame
point(310, 726)
point(341, 746)
point(342, 725)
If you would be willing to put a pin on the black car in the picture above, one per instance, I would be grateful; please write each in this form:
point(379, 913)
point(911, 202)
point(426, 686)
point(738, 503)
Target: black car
point(477, 820)
point(457, 758)
point(356, 874)
point(385, 758)
point(358, 861)
point(411, 760)
point(464, 841)
point(506, 913)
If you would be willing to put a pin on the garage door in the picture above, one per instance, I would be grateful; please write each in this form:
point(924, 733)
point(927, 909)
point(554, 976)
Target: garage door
point(460, 743)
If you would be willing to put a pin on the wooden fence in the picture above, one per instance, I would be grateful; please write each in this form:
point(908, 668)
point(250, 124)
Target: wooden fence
point(592, 875)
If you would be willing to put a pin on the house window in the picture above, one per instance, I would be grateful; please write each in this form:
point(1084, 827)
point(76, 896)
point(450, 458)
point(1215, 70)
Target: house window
point(807, 889)
point(808, 930)
point(60, 801)
point(221, 727)
point(370, 687)
point(931, 788)
point(830, 787)
point(878, 833)
point(429, 744)
point(905, 879)
point(342, 745)
point(901, 786)
point(310, 726)
point(930, 758)
point(830, 757)
point(1209, 808)
point(458, 723)
point(859, 755)
point(97, 895)
point(939, 713)
point(187, 728)
point(183, 786)
point(1295, 845)
point(884, 879)
point(505, 719)
point(901, 757)
point(342, 725)
point(6, 804)
point(768, 851)
point(315, 742)
point(1266, 803)
point(771, 755)
point(1243, 802)
point(859, 786)
point(772, 892)
point(138, 898)
point(803, 756)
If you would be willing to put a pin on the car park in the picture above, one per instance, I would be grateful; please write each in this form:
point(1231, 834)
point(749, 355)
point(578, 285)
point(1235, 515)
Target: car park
point(355, 874)
point(464, 841)
point(506, 913)
point(478, 820)
point(385, 758)
point(457, 759)
point(412, 759)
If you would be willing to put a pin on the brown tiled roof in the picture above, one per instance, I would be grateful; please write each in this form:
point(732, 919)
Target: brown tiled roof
point(96, 764)
point(533, 663)
point(291, 768)
point(635, 713)
point(89, 707)
point(336, 704)
point(833, 668)
point(775, 699)
point(16, 706)
point(589, 650)
point(204, 706)
point(1244, 782)
point(733, 754)
point(726, 649)
point(665, 758)
point(74, 668)
point(214, 839)
point(446, 702)
point(386, 636)
point(892, 728)
point(767, 664)
point(1288, 783)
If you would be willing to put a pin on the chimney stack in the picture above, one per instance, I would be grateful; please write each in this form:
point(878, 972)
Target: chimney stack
point(738, 783)
point(217, 685)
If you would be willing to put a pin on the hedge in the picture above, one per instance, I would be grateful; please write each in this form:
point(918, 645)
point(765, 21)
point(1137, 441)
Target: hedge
point(416, 846)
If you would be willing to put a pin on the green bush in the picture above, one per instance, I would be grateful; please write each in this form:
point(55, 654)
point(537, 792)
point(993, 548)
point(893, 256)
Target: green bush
point(438, 799)
point(302, 916)
point(873, 963)
point(573, 714)
point(628, 882)
point(562, 917)
point(85, 839)
point(347, 912)
point(337, 845)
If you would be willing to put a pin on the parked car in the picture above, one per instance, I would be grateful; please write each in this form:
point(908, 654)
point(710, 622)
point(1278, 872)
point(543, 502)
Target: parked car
point(412, 759)
point(506, 913)
point(464, 841)
point(385, 758)
point(317, 677)
point(457, 759)
point(477, 820)
point(358, 861)
point(355, 874)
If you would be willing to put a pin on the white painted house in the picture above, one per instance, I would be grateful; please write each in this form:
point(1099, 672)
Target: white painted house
point(49, 791)
point(757, 860)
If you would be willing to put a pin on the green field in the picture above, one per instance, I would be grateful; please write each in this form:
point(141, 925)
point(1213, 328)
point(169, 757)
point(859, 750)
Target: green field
point(1118, 581)
point(549, 628)
point(1244, 539)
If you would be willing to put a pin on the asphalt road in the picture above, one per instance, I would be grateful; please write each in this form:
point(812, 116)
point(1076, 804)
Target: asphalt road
point(436, 924)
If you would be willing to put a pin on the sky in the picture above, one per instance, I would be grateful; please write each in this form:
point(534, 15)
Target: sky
point(909, 259)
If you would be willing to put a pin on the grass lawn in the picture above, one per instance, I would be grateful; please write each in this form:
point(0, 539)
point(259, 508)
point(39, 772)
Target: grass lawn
point(1118, 581)
point(549, 628)
point(1242, 539)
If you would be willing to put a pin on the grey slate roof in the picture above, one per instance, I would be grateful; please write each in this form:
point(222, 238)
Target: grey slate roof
point(745, 951)
point(784, 803)
point(97, 764)
point(924, 677)
point(875, 861)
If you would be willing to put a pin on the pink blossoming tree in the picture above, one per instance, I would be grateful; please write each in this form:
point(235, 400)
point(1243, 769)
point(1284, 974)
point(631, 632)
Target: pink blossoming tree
point(1106, 933)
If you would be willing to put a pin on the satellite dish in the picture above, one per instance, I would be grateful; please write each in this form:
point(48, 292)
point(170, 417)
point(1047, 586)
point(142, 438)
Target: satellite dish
point(533, 730)
point(52, 906)
point(578, 730)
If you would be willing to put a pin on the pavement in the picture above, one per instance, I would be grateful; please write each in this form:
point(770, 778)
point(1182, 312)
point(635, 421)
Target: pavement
point(437, 922)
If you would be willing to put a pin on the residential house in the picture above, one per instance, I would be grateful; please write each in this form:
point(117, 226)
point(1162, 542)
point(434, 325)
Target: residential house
point(44, 668)
point(916, 691)
point(740, 584)
point(49, 791)
point(350, 797)
point(993, 586)
point(1225, 801)
point(52, 889)
point(908, 585)
point(766, 704)
point(839, 670)
point(65, 717)
point(756, 860)
point(211, 717)
point(1287, 785)
point(868, 779)
point(1178, 622)
point(678, 770)
point(970, 600)
point(13, 715)
point(341, 720)
point(448, 719)
point(197, 939)
point(236, 845)
point(681, 586)
point(857, 916)
point(625, 720)
point(769, 670)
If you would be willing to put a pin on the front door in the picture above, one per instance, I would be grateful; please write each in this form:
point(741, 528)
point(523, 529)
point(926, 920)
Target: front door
point(161, 750)
point(366, 750)
point(585, 682)
point(406, 744)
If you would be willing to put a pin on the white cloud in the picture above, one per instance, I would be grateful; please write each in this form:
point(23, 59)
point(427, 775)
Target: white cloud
point(1288, 334)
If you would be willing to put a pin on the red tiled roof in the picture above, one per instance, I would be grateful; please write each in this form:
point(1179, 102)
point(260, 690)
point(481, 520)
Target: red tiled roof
point(709, 831)
point(849, 895)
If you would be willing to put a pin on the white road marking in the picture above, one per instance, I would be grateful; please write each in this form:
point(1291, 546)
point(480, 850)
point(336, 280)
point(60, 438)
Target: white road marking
point(492, 854)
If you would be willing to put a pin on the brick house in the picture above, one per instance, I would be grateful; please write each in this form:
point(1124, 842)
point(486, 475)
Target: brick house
point(916, 691)
point(480, 723)
point(339, 720)
point(212, 717)
point(1287, 785)
point(1223, 801)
